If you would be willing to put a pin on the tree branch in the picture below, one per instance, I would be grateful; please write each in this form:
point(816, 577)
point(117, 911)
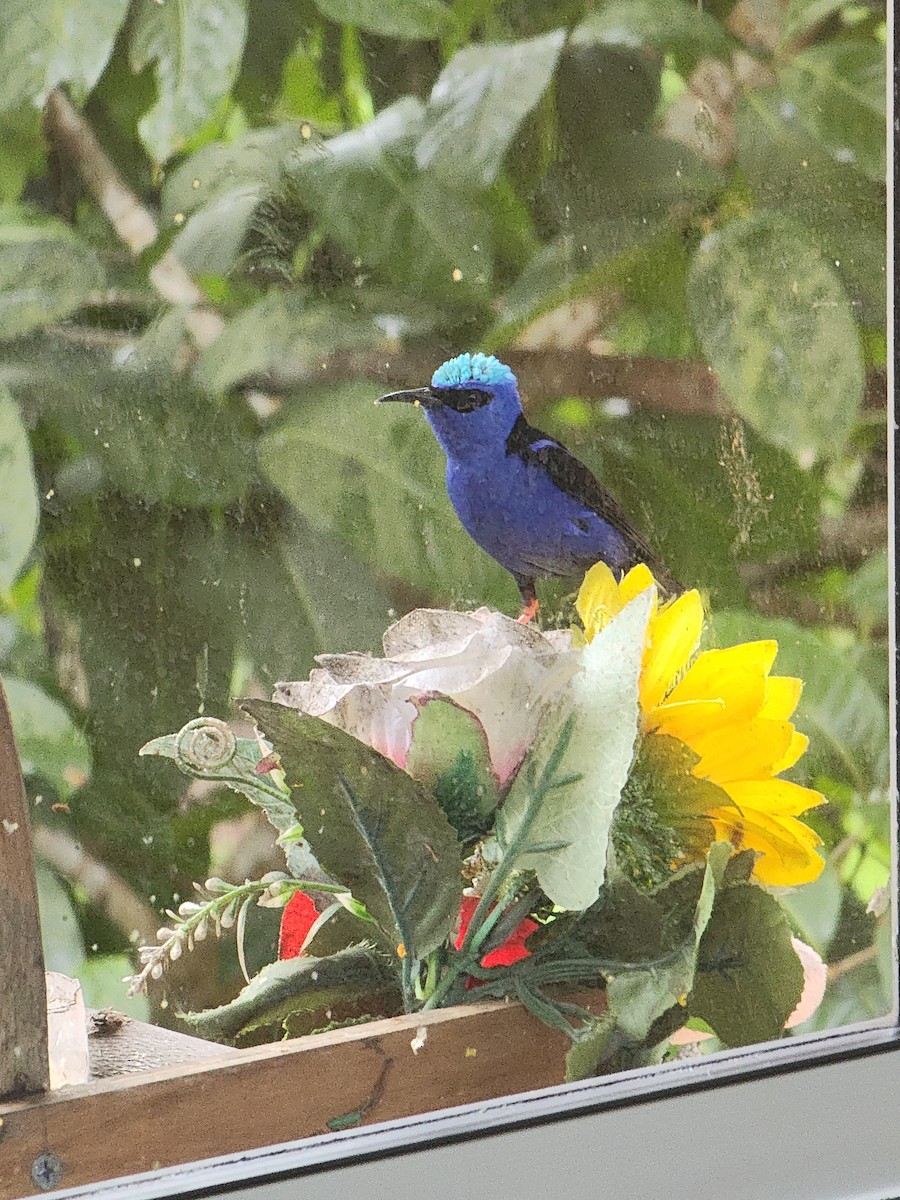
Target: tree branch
point(106, 890)
point(135, 225)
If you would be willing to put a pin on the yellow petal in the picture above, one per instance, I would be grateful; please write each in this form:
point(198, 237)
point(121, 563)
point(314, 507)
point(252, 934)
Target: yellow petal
point(672, 638)
point(637, 580)
point(736, 675)
point(598, 599)
point(743, 750)
point(778, 797)
point(685, 720)
point(782, 697)
point(787, 846)
point(795, 751)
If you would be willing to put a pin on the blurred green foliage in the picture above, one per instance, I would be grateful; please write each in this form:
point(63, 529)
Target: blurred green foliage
point(359, 190)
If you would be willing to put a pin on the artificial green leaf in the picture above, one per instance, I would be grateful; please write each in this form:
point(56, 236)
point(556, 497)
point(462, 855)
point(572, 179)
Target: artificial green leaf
point(205, 750)
point(284, 331)
point(595, 1043)
point(45, 274)
point(449, 755)
point(748, 978)
point(18, 493)
point(413, 19)
point(674, 27)
point(840, 710)
point(638, 997)
point(196, 48)
point(661, 816)
point(380, 490)
point(410, 227)
point(478, 103)
point(791, 172)
point(776, 325)
point(51, 746)
point(370, 826)
point(45, 43)
point(574, 811)
point(837, 91)
point(303, 984)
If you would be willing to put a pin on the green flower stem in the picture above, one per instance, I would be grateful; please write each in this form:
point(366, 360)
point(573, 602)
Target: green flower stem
point(483, 920)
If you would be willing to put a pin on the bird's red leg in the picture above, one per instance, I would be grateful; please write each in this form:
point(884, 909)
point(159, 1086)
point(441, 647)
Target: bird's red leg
point(529, 598)
point(529, 611)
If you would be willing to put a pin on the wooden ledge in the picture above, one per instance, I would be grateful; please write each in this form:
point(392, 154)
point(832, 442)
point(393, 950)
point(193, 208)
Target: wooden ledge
point(248, 1099)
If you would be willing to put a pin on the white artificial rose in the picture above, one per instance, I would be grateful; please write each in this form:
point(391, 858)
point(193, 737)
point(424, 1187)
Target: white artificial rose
point(487, 663)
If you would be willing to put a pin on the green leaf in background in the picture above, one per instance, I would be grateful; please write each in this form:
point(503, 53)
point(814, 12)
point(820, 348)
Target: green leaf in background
point(449, 754)
point(674, 27)
point(370, 826)
point(478, 103)
point(841, 711)
point(23, 151)
point(101, 975)
point(815, 909)
point(791, 172)
point(18, 493)
point(411, 19)
point(803, 15)
point(748, 979)
point(44, 43)
point(45, 273)
point(196, 48)
point(219, 168)
point(51, 747)
point(379, 487)
point(837, 92)
point(284, 331)
point(218, 189)
point(410, 227)
point(576, 814)
point(868, 592)
point(776, 325)
point(61, 939)
point(152, 432)
point(304, 984)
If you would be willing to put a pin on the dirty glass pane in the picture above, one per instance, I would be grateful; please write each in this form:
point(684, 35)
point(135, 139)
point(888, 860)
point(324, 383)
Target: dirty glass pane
point(651, 813)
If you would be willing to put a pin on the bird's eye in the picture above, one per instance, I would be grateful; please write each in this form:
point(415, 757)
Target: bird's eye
point(464, 399)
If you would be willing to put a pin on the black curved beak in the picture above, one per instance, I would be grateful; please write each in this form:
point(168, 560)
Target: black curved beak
point(417, 396)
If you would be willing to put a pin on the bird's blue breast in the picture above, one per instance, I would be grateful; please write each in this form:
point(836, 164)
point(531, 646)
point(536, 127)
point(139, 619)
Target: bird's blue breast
point(515, 512)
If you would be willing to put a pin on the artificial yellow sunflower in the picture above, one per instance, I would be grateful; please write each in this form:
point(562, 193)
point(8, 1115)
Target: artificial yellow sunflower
point(730, 712)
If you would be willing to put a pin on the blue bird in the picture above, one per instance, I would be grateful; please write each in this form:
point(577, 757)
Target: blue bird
point(521, 495)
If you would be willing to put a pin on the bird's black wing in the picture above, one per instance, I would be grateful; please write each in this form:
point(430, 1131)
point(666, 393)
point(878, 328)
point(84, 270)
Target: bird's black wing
point(572, 477)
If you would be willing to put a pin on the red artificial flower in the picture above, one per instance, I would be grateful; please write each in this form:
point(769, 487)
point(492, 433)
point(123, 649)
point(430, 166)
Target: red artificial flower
point(297, 919)
point(507, 952)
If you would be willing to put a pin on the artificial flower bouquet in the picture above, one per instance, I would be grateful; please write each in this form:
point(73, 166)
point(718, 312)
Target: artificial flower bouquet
point(494, 811)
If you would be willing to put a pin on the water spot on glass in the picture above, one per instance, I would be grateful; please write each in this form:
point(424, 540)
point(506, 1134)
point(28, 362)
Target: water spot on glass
point(148, 840)
point(845, 155)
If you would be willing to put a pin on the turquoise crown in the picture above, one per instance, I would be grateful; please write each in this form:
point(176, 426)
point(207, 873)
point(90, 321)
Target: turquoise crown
point(472, 368)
